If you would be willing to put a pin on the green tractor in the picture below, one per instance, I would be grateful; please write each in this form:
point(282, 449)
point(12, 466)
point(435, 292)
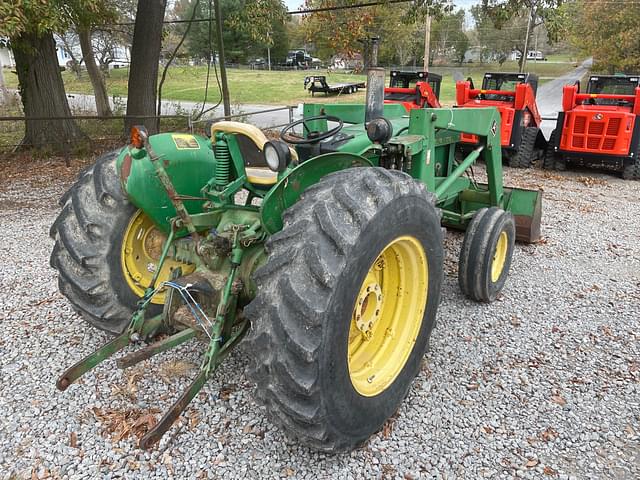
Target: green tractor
point(323, 250)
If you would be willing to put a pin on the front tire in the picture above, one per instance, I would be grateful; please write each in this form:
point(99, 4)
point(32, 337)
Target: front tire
point(329, 291)
point(486, 253)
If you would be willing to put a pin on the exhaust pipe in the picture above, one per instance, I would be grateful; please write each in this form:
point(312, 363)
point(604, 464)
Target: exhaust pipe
point(375, 94)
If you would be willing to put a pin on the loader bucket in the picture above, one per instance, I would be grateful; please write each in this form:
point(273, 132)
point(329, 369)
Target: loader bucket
point(526, 206)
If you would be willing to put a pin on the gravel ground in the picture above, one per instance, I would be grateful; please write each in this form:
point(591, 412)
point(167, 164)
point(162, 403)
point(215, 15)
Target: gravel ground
point(544, 383)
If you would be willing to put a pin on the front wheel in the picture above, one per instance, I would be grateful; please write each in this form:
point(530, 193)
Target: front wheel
point(345, 306)
point(485, 256)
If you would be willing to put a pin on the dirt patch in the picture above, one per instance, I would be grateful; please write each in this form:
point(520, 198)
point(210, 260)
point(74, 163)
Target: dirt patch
point(30, 179)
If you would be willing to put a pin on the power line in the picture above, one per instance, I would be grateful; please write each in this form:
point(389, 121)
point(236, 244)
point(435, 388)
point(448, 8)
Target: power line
point(291, 12)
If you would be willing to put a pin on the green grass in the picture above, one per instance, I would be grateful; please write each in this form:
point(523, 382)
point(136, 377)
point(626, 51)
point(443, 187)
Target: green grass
point(283, 87)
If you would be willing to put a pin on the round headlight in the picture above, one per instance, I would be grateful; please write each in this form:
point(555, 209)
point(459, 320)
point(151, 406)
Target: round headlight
point(276, 155)
point(271, 157)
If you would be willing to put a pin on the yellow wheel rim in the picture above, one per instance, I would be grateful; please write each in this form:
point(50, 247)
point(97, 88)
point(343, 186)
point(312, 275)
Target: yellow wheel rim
point(141, 249)
point(499, 257)
point(387, 316)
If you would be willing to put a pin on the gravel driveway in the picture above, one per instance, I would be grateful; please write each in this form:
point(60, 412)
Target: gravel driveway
point(544, 383)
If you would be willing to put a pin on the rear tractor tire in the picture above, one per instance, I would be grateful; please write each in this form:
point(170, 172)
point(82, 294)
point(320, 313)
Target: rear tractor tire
point(486, 253)
point(105, 249)
point(526, 154)
point(345, 306)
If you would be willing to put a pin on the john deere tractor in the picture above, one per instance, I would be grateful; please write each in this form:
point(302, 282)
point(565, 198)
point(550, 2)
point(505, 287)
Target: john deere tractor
point(322, 249)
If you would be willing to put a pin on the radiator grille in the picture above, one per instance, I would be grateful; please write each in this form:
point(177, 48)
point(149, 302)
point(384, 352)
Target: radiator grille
point(608, 143)
point(580, 123)
point(614, 126)
point(593, 142)
point(596, 128)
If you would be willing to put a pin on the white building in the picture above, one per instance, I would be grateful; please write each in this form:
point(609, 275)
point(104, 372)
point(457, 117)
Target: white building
point(6, 57)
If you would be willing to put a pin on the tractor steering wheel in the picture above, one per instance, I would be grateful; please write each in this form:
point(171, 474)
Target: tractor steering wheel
point(313, 136)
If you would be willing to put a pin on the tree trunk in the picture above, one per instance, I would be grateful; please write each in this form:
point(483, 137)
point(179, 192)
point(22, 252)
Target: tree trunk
point(43, 94)
point(95, 75)
point(145, 55)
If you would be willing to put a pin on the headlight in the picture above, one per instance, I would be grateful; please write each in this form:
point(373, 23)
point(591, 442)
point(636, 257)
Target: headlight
point(276, 155)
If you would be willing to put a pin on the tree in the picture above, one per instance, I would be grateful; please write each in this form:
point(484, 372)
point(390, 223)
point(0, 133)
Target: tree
point(29, 27)
point(344, 30)
point(250, 26)
point(448, 37)
point(143, 74)
point(535, 13)
point(608, 30)
point(498, 43)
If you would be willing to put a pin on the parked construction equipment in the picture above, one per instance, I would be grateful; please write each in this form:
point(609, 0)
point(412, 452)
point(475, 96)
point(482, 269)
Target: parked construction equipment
point(324, 248)
point(599, 128)
point(514, 95)
point(318, 84)
point(413, 89)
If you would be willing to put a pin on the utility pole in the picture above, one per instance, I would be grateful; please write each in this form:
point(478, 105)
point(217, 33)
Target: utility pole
point(526, 39)
point(269, 50)
point(223, 68)
point(427, 41)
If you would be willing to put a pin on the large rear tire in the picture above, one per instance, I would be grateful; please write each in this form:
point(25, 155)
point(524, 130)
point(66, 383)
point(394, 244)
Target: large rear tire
point(345, 306)
point(105, 248)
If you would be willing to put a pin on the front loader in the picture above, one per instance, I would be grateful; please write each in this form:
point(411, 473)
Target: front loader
point(323, 250)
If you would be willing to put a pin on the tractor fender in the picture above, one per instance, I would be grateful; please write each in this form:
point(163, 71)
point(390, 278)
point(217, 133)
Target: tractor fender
point(292, 185)
point(189, 163)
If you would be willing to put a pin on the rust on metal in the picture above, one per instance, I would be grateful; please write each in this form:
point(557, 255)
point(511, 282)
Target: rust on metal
point(125, 170)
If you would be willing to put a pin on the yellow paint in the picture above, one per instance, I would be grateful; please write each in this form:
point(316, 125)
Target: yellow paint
point(141, 249)
point(499, 257)
point(387, 316)
point(261, 176)
point(251, 131)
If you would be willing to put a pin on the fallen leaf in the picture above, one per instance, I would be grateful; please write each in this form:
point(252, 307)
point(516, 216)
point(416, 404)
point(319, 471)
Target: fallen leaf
point(549, 435)
point(488, 429)
point(549, 471)
point(558, 399)
point(473, 386)
point(532, 462)
point(73, 440)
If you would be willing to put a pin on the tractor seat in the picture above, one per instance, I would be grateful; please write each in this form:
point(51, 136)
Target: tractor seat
point(261, 176)
point(251, 141)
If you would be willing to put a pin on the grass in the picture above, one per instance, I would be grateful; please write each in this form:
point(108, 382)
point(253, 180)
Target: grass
point(246, 87)
point(284, 87)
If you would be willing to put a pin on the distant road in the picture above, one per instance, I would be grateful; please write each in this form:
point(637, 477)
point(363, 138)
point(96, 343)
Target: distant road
point(549, 95)
point(86, 103)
